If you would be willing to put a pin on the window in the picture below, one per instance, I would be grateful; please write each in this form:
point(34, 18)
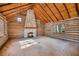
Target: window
point(58, 28)
point(1, 27)
point(19, 19)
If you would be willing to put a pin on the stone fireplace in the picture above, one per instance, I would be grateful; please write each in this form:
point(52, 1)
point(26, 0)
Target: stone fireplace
point(30, 24)
point(30, 32)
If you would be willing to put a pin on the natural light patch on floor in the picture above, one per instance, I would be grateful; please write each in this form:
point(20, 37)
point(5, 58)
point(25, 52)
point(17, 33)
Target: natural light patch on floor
point(27, 43)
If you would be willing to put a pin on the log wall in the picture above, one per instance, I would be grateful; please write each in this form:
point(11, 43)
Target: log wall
point(16, 29)
point(71, 30)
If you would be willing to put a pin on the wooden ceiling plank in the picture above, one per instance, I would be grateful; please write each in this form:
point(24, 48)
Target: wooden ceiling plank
point(55, 11)
point(48, 11)
point(18, 10)
point(13, 10)
point(67, 10)
point(62, 10)
point(58, 11)
point(76, 6)
point(44, 8)
point(71, 8)
point(11, 7)
point(51, 11)
point(40, 14)
point(4, 4)
point(40, 18)
point(44, 13)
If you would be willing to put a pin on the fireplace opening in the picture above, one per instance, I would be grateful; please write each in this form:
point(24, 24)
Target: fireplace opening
point(30, 35)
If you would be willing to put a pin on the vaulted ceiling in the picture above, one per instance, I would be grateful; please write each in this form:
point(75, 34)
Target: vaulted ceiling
point(46, 12)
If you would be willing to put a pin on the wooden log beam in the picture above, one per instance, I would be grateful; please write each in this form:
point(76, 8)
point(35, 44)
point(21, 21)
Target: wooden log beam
point(44, 13)
point(44, 9)
point(38, 13)
point(67, 10)
point(17, 10)
point(76, 6)
point(58, 11)
point(9, 7)
point(51, 11)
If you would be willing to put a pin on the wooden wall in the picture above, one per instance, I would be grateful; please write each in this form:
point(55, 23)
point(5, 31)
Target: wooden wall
point(40, 28)
point(71, 31)
point(3, 29)
point(72, 27)
point(15, 29)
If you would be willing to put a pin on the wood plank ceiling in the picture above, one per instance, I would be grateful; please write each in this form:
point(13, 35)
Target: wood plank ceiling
point(46, 12)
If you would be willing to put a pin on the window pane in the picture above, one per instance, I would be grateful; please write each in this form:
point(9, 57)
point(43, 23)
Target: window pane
point(1, 28)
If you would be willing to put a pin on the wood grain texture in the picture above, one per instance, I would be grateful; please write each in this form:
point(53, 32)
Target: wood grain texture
point(71, 30)
point(15, 28)
point(45, 46)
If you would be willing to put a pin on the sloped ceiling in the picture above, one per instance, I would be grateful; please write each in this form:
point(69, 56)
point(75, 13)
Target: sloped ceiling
point(46, 12)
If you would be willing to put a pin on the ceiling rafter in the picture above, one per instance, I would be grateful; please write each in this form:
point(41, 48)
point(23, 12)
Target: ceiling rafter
point(62, 10)
point(71, 7)
point(16, 11)
point(59, 11)
point(76, 6)
point(15, 6)
point(4, 4)
point(52, 12)
point(11, 10)
point(67, 10)
point(47, 13)
point(55, 11)
point(44, 15)
point(40, 18)
point(36, 10)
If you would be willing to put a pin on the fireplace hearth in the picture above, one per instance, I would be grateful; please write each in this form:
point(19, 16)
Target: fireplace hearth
point(30, 35)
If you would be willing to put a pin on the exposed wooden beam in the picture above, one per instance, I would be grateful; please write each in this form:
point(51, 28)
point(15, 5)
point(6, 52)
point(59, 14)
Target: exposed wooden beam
point(55, 11)
point(43, 15)
point(76, 6)
point(72, 9)
point(51, 11)
point(46, 12)
point(4, 4)
point(58, 11)
point(39, 18)
point(11, 7)
point(67, 10)
point(18, 10)
point(40, 14)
